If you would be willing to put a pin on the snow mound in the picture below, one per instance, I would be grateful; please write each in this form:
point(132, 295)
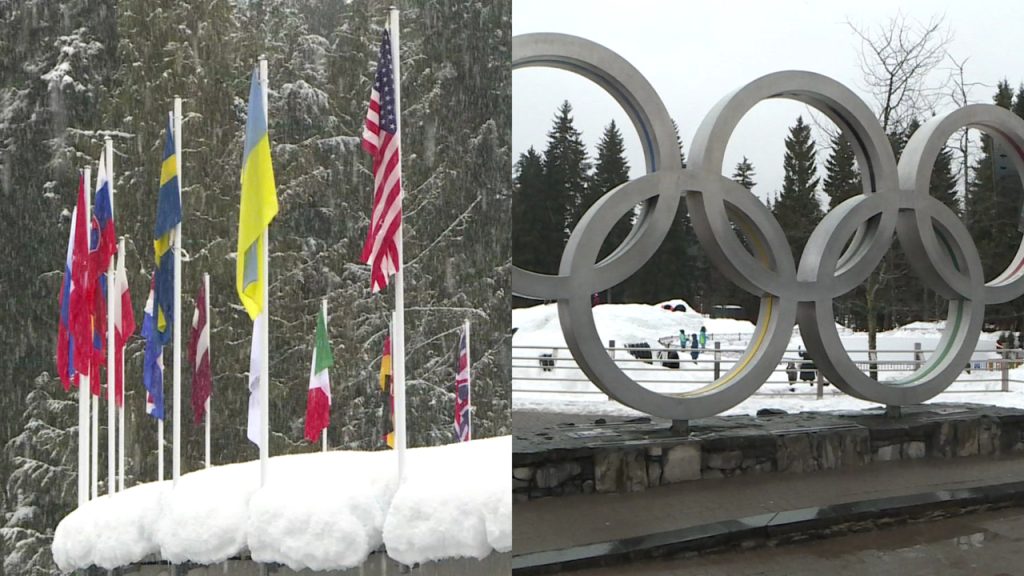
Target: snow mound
point(322, 511)
point(623, 323)
point(302, 534)
point(437, 516)
point(204, 518)
point(111, 531)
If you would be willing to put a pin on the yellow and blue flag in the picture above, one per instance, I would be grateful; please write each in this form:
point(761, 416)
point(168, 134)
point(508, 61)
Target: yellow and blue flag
point(259, 203)
point(168, 216)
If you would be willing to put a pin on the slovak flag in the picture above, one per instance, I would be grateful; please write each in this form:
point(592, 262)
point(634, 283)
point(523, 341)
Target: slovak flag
point(102, 247)
point(65, 350)
point(103, 212)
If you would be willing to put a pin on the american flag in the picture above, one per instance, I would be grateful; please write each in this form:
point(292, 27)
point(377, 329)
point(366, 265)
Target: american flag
point(380, 139)
point(463, 427)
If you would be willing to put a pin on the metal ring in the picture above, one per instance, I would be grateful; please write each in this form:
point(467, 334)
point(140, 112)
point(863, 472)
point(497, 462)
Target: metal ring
point(842, 251)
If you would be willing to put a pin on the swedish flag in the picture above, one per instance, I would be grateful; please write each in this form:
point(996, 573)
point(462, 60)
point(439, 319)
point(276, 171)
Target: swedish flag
point(259, 203)
point(168, 216)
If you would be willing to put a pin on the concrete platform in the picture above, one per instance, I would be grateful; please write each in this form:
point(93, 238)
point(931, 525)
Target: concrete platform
point(586, 495)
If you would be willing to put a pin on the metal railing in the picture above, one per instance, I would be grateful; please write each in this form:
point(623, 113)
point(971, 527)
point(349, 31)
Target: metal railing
point(552, 370)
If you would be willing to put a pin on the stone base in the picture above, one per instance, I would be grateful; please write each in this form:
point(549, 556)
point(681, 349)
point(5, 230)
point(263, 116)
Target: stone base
point(585, 455)
point(378, 564)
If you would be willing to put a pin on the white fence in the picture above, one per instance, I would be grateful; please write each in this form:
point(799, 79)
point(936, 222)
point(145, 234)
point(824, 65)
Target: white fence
point(543, 370)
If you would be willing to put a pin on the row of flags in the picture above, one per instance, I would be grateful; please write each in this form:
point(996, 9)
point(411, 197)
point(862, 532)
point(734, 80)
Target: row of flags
point(90, 272)
point(81, 334)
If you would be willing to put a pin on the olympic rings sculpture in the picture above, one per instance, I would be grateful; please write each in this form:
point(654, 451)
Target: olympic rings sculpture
point(844, 249)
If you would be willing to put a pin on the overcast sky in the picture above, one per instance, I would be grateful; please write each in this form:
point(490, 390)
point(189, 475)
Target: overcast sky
point(694, 53)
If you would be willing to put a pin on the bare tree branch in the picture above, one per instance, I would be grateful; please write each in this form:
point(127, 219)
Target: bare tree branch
point(898, 61)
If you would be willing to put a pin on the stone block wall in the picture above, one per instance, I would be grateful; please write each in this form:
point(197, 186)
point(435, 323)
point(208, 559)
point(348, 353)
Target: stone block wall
point(834, 442)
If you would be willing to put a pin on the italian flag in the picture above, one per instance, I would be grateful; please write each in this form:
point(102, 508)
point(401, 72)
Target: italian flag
point(318, 403)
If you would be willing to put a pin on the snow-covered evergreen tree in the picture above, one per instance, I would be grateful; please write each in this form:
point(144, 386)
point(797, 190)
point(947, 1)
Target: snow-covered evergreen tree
point(42, 485)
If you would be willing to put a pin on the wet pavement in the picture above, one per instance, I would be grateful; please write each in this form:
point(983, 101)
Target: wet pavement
point(980, 544)
point(573, 521)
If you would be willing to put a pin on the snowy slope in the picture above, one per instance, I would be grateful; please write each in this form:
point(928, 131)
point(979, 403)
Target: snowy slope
point(538, 325)
point(318, 511)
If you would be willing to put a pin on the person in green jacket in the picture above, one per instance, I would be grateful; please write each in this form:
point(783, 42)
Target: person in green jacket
point(703, 338)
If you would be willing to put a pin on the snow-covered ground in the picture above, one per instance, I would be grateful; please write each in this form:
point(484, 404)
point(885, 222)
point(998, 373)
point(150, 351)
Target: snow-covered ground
point(561, 386)
point(319, 511)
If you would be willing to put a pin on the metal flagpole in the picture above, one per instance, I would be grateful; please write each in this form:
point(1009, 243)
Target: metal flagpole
point(94, 417)
point(95, 442)
point(398, 342)
point(111, 288)
point(206, 289)
point(176, 433)
point(83, 392)
point(265, 361)
point(469, 383)
point(120, 409)
point(323, 307)
point(160, 440)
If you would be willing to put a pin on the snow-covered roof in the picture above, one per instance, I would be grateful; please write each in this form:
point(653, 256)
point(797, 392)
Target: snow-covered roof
point(319, 511)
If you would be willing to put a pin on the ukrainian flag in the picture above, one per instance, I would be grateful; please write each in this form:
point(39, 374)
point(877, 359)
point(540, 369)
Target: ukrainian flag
point(168, 216)
point(259, 203)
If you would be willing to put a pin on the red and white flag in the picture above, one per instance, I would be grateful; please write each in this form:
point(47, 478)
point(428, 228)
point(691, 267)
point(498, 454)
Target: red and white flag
point(381, 140)
point(199, 357)
point(124, 326)
point(80, 304)
point(463, 415)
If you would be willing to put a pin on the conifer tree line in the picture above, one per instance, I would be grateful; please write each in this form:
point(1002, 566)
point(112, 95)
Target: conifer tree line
point(549, 185)
point(74, 71)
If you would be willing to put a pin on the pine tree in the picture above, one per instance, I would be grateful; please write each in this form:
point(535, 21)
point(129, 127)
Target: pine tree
point(944, 182)
point(610, 170)
point(988, 209)
point(566, 170)
point(842, 179)
point(536, 217)
point(678, 268)
point(744, 174)
point(797, 208)
point(42, 487)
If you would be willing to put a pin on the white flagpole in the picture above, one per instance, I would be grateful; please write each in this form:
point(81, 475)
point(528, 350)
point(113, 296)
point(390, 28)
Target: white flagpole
point(176, 433)
point(160, 442)
point(469, 383)
point(323, 307)
point(265, 361)
point(206, 289)
point(94, 446)
point(120, 409)
point(83, 388)
point(111, 288)
point(95, 441)
point(398, 344)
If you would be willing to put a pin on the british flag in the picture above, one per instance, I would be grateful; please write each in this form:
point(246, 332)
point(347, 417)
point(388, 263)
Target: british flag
point(463, 416)
point(381, 140)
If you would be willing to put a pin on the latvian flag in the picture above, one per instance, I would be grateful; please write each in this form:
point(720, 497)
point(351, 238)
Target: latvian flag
point(199, 357)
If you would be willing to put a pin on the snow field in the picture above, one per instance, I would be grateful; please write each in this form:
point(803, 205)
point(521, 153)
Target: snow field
point(563, 387)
